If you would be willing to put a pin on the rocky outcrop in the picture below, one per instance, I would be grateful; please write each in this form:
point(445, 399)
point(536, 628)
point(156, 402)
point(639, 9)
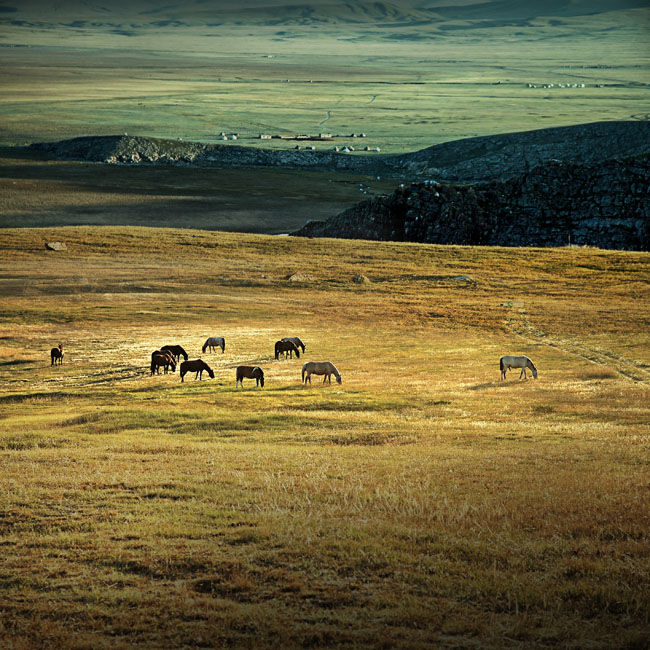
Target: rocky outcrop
point(468, 160)
point(556, 203)
point(510, 154)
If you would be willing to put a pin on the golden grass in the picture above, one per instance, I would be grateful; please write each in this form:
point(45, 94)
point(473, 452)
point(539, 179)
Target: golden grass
point(422, 503)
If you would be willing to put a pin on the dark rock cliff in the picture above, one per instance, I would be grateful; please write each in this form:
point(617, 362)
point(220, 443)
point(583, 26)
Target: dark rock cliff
point(606, 205)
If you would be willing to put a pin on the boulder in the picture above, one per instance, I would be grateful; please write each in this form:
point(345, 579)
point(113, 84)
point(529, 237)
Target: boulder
point(299, 277)
point(56, 246)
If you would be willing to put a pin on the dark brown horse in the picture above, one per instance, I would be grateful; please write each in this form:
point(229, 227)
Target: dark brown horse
point(250, 372)
point(176, 350)
point(197, 366)
point(164, 359)
point(286, 346)
point(56, 355)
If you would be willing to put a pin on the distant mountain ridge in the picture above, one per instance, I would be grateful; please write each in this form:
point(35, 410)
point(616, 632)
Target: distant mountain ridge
point(278, 12)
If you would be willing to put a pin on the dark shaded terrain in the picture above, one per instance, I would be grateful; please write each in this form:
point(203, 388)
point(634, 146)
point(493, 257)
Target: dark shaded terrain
point(556, 203)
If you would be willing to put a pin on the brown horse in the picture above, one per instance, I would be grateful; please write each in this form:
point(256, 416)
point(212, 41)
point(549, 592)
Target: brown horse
point(176, 350)
point(197, 366)
point(250, 372)
point(286, 346)
point(164, 359)
point(56, 355)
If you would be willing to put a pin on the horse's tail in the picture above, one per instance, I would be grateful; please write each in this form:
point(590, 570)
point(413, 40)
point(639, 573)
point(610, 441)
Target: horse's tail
point(223, 345)
point(153, 366)
point(277, 351)
point(303, 373)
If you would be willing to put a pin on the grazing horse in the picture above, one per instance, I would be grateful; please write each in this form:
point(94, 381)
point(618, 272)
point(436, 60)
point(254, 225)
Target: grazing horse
point(56, 355)
point(215, 342)
point(326, 368)
point(250, 372)
point(286, 346)
point(164, 359)
point(297, 341)
point(197, 366)
point(507, 362)
point(176, 350)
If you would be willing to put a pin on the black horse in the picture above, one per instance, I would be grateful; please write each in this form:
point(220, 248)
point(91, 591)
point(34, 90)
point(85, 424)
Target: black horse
point(197, 366)
point(286, 346)
point(56, 355)
point(176, 350)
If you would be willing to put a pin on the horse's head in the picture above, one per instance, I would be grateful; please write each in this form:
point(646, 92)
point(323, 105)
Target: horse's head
point(260, 375)
point(209, 371)
point(534, 372)
point(338, 379)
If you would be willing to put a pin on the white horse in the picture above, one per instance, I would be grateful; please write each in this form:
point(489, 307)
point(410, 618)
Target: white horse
point(215, 342)
point(522, 362)
point(326, 368)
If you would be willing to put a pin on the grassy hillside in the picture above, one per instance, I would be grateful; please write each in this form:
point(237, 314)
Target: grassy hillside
point(421, 503)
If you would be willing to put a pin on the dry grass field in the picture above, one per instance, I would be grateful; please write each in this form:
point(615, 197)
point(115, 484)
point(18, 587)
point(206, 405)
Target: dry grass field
point(421, 503)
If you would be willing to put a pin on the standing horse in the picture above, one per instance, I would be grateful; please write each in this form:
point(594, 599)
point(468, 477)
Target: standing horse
point(215, 342)
point(326, 368)
point(56, 355)
point(250, 372)
point(176, 350)
point(286, 346)
point(197, 366)
point(509, 361)
point(164, 359)
point(297, 341)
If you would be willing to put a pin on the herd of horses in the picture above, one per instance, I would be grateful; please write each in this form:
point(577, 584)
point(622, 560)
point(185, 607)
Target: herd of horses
point(169, 356)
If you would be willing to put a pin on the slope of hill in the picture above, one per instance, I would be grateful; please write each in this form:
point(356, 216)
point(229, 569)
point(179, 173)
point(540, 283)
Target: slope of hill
point(467, 160)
